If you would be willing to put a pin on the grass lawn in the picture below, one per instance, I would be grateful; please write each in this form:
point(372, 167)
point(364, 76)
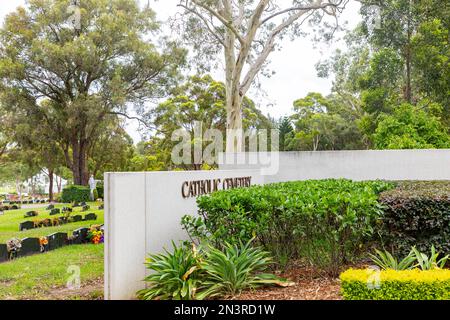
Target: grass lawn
point(9, 222)
point(44, 276)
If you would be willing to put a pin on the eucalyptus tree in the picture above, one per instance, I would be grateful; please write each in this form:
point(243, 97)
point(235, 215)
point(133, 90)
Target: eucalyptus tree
point(247, 32)
point(70, 67)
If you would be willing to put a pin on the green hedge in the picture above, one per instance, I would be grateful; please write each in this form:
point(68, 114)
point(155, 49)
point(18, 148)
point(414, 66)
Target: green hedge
point(416, 214)
point(326, 222)
point(75, 193)
point(395, 285)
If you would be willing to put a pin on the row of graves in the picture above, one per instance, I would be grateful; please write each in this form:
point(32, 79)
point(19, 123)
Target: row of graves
point(65, 218)
point(6, 205)
point(16, 248)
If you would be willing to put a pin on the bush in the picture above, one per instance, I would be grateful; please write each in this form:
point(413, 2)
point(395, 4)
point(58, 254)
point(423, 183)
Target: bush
point(416, 214)
point(326, 221)
point(395, 285)
point(189, 273)
point(236, 268)
point(174, 275)
point(75, 193)
point(100, 190)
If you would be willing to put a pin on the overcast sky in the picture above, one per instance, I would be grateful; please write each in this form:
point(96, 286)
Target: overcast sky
point(294, 64)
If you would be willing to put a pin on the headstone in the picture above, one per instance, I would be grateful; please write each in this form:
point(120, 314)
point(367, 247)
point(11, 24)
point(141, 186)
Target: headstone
point(31, 214)
point(67, 209)
point(77, 218)
point(3, 253)
point(83, 204)
point(29, 246)
point(55, 211)
point(80, 235)
point(90, 216)
point(86, 208)
point(101, 207)
point(56, 240)
point(27, 225)
point(62, 220)
point(50, 207)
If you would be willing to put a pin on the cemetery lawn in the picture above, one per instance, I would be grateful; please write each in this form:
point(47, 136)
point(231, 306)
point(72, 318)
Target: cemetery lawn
point(9, 222)
point(44, 276)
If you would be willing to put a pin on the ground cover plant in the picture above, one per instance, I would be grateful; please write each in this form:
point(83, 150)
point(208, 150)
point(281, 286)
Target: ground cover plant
point(189, 272)
point(324, 222)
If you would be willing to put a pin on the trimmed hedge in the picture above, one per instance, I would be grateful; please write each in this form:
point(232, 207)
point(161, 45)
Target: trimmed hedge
point(75, 193)
point(414, 284)
point(325, 222)
point(416, 214)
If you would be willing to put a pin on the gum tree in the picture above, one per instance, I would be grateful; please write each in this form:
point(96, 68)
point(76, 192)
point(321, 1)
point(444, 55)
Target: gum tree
point(247, 32)
point(72, 67)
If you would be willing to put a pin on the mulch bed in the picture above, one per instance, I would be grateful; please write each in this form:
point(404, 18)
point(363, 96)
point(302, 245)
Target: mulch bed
point(309, 285)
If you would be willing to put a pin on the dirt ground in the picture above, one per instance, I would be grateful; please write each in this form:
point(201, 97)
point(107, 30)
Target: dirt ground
point(308, 286)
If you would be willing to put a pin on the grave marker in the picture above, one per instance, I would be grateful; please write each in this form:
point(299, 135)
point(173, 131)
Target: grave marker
point(27, 225)
point(56, 240)
point(29, 246)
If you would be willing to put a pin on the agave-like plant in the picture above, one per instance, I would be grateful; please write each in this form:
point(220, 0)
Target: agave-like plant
point(385, 260)
point(174, 275)
point(236, 268)
point(431, 262)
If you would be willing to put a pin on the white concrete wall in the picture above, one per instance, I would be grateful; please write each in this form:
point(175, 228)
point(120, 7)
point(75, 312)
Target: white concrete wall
point(143, 212)
point(356, 165)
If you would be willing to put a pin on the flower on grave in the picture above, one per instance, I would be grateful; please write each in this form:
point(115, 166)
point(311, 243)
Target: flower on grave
point(43, 241)
point(13, 245)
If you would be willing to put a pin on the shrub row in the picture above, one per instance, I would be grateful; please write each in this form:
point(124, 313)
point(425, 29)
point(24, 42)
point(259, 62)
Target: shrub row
point(395, 285)
point(416, 214)
point(326, 222)
point(75, 193)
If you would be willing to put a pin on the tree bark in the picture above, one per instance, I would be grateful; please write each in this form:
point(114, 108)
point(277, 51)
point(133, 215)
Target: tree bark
point(79, 163)
point(50, 184)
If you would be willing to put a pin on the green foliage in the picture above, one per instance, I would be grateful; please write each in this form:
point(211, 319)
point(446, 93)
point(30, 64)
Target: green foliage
point(431, 262)
point(235, 268)
point(100, 190)
point(385, 260)
point(325, 222)
point(174, 275)
point(323, 123)
point(395, 285)
point(75, 193)
point(410, 127)
point(189, 273)
point(416, 214)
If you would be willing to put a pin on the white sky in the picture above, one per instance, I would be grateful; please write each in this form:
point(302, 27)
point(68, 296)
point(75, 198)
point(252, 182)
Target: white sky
point(294, 64)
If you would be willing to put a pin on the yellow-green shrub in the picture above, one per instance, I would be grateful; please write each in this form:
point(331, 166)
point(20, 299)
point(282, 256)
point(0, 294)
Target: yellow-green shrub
point(369, 284)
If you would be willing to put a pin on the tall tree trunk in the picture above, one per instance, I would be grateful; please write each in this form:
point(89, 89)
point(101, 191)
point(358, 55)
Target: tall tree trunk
point(79, 164)
point(235, 132)
point(50, 184)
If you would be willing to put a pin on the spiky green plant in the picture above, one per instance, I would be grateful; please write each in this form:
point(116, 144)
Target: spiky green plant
point(174, 275)
point(385, 260)
point(431, 262)
point(236, 268)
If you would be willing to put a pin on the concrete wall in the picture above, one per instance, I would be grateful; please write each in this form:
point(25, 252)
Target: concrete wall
point(356, 165)
point(143, 212)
